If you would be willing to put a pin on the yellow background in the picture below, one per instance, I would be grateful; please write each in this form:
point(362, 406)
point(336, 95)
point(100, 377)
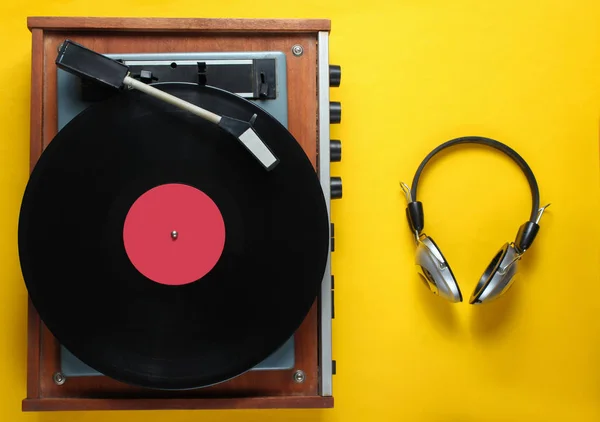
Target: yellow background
point(415, 73)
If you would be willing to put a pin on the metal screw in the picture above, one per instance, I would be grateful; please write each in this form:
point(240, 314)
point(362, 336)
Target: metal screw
point(174, 235)
point(297, 50)
point(59, 379)
point(299, 376)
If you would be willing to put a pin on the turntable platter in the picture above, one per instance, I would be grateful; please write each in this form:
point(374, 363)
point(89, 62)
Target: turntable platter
point(184, 262)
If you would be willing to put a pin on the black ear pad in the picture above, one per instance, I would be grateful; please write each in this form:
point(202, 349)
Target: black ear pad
point(436, 272)
point(497, 277)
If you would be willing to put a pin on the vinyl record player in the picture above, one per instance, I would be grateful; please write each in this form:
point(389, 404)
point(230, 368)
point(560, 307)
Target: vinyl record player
point(125, 312)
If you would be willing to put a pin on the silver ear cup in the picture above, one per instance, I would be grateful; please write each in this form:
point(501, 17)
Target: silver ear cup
point(497, 277)
point(436, 272)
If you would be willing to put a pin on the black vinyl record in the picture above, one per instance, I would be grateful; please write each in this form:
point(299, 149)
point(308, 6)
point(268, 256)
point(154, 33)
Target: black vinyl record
point(83, 282)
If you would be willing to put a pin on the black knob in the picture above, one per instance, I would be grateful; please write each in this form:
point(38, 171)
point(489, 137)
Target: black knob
point(335, 150)
point(335, 75)
point(336, 187)
point(335, 112)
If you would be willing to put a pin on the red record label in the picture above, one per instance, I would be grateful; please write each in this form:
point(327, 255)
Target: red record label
point(174, 234)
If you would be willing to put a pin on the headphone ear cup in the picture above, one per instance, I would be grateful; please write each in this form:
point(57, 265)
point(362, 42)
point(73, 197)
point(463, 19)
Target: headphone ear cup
point(435, 270)
point(497, 277)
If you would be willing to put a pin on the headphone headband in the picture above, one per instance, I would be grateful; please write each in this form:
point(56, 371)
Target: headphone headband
point(527, 231)
point(535, 194)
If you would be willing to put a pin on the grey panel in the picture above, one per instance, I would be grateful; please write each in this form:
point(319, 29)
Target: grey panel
point(70, 104)
point(325, 356)
point(283, 358)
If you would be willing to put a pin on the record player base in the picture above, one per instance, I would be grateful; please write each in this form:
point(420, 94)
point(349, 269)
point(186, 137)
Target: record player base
point(254, 389)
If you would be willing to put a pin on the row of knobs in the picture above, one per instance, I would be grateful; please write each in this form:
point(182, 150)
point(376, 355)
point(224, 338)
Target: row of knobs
point(335, 117)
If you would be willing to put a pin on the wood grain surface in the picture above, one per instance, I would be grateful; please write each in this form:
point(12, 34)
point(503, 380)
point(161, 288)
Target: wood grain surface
point(179, 24)
point(54, 404)
point(35, 149)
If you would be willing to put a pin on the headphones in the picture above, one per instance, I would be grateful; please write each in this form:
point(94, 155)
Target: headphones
point(499, 274)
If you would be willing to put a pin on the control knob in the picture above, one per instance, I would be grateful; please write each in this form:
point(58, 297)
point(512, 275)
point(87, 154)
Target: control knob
point(335, 112)
point(336, 187)
point(335, 75)
point(335, 150)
